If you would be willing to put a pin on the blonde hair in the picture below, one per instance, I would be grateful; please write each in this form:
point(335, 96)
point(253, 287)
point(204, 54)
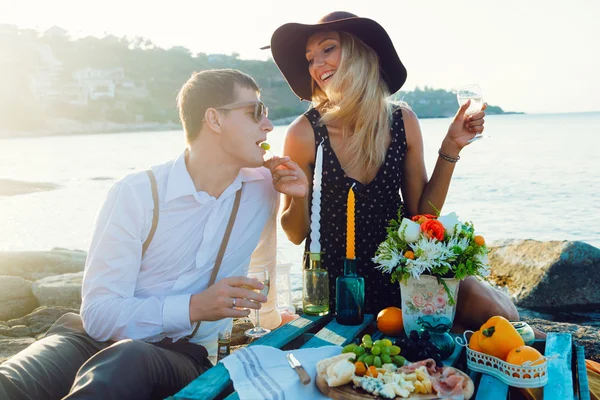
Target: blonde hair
point(358, 100)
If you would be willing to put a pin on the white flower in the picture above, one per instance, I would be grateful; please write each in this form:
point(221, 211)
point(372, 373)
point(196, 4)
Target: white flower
point(387, 258)
point(409, 230)
point(450, 221)
point(430, 253)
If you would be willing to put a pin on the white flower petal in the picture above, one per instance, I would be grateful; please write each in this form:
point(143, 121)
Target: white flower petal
point(409, 230)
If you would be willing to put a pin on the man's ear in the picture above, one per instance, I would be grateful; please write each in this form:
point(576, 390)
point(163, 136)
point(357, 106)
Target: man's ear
point(213, 119)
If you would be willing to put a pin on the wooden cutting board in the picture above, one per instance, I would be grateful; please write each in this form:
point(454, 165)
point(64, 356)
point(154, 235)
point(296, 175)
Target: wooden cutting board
point(347, 392)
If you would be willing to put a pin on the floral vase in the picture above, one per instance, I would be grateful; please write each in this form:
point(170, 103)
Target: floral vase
point(426, 305)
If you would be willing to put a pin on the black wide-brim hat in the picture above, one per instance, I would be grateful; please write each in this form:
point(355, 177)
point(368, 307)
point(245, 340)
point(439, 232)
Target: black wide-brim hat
point(288, 46)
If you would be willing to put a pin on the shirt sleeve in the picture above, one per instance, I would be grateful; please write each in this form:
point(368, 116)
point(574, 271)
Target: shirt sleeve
point(109, 308)
point(265, 255)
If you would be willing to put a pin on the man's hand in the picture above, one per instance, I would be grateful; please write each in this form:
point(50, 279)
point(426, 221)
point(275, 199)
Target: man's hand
point(228, 298)
point(288, 177)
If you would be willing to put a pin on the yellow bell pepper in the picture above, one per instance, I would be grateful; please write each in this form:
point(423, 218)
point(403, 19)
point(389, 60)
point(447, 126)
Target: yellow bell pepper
point(474, 342)
point(498, 337)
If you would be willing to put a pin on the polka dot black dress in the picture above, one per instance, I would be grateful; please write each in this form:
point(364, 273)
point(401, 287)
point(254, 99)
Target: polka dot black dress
point(376, 204)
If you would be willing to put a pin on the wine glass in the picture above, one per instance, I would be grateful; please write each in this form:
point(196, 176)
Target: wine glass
point(473, 93)
point(262, 274)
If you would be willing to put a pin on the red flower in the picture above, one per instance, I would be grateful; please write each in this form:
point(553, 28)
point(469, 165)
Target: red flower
point(433, 229)
point(423, 217)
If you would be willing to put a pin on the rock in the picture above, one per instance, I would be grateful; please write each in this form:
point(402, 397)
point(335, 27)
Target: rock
point(16, 298)
point(583, 335)
point(59, 290)
point(15, 331)
point(554, 275)
point(40, 320)
point(10, 346)
point(34, 265)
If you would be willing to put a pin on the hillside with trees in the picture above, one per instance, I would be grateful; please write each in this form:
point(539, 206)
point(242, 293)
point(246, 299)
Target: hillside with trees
point(131, 80)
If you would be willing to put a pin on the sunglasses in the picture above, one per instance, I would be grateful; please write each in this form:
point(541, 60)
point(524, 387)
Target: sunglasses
point(260, 110)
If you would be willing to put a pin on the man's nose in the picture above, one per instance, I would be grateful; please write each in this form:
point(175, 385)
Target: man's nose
point(266, 125)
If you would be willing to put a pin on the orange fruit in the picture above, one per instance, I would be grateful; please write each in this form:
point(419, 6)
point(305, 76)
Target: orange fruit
point(479, 240)
point(520, 355)
point(474, 342)
point(389, 321)
point(409, 254)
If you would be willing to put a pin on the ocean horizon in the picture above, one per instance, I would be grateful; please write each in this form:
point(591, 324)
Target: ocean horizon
point(534, 176)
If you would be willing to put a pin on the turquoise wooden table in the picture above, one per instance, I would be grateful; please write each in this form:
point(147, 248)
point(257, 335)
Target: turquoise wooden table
point(567, 378)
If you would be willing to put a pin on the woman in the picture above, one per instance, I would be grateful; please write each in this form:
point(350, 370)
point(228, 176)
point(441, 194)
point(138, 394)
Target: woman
point(347, 67)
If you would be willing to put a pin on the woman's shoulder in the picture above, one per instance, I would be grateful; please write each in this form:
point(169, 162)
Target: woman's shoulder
point(404, 109)
point(300, 131)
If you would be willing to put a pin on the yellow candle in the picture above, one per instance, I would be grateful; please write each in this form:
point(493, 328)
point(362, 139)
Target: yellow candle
point(350, 254)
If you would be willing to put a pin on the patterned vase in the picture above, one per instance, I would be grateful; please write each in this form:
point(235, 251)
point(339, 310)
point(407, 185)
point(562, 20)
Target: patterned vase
point(426, 306)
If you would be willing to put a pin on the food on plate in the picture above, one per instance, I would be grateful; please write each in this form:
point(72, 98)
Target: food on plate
point(390, 381)
point(498, 337)
point(375, 353)
point(337, 370)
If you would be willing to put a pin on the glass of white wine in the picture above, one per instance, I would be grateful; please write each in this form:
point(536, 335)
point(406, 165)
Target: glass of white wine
point(471, 92)
point(262, 274)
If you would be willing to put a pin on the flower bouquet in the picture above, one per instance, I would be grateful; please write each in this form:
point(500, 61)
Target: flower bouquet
point(428, 255)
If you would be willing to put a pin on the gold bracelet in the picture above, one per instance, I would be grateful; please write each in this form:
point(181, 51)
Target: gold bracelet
point(447, 157)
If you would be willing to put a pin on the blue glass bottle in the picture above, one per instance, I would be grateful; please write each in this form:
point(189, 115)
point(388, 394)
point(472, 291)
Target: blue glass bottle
point(349, 295)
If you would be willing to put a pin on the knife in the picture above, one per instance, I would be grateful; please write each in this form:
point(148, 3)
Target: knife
point(294, 363)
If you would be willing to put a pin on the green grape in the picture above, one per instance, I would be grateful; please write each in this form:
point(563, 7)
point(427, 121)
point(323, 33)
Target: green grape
point(377, 343)
point(386, 342)
point(377, 362)
point(369, 359)
point(386, 351)
point(265, 146)
point(394, 350)
point(376, 350)
point(362, 357)
point(359, 350)
point(399, 360)
point(367, 341)
point(349, 348)
point(386, 359)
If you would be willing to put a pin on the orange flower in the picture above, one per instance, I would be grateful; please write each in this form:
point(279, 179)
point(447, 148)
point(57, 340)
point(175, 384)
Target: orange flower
point(433, 229)
point(422, 218)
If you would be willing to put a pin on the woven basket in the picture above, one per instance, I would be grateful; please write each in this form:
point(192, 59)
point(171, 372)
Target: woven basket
point(523, 376)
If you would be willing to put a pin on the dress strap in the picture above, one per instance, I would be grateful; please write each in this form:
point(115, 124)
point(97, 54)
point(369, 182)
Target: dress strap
point(319, 130)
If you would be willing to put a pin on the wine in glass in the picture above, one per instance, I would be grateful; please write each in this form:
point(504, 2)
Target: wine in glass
point(262, 274)
point(473, 93)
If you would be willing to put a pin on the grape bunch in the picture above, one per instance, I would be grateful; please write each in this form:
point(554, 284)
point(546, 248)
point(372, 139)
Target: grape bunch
point(375, 353)
point(416, 348)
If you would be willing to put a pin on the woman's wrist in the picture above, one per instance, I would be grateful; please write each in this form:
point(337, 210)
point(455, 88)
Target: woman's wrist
point(450, 148)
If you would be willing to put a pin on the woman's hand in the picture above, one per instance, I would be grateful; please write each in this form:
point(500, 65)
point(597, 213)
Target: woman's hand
point(288, 177)
point(462, 129)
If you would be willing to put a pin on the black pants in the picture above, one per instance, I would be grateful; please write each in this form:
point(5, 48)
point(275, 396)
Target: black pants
point(68, 364)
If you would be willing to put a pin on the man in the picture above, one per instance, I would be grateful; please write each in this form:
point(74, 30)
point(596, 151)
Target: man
point(137, 300)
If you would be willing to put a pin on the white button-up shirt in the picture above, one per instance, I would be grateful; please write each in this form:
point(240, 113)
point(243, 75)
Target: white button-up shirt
point(125, 296)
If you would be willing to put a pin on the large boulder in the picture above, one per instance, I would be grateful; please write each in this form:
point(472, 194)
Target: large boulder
point(59, 290)
point(554, 275)
point(34, 265)
point(37, 323)
point(16, 298)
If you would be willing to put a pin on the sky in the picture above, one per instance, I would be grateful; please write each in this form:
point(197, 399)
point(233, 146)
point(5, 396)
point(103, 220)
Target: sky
point(535, 56)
